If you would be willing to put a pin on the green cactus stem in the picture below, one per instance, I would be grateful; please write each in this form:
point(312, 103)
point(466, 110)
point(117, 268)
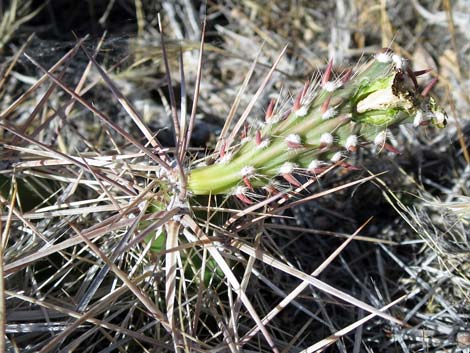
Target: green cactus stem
point(328, 122)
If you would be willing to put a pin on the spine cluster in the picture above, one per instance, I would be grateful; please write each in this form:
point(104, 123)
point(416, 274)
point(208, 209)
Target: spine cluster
point(327, 122)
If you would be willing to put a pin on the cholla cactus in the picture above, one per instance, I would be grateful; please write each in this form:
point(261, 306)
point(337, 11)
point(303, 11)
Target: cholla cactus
point(328, 121)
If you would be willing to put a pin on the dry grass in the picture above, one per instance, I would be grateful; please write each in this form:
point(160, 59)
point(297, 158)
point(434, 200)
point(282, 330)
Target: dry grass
point(357, 262)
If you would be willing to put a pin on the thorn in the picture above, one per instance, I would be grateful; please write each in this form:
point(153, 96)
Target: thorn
point(305, 89)
point(291, 180)
point(271, 190)
point(327, 75)
point(294, 145)
point(412, 75)
point(258, 138)
point(245, 131)
point(300, 110)
point(297, 100)
point(421, 72)
point(392, 149)
point(286, 114)
point(247, 183)
point(429, 87)
point(264, 143)
point(270, 110)
point(350, 166)
point(347, 75)
point(324, 106)
point(243, 198)
point(222, 149)
point(240, 192)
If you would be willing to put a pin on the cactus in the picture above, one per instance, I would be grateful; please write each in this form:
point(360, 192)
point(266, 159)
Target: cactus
point(328, 121)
